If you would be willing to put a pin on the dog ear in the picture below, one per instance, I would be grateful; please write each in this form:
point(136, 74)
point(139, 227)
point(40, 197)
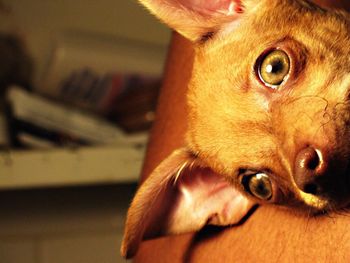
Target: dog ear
point(195, 19)
point(181, 196)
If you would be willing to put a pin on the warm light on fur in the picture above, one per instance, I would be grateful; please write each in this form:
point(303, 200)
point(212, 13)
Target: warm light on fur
point(237, 123)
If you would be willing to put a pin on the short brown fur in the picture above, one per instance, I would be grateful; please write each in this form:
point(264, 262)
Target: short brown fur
point(236, 122)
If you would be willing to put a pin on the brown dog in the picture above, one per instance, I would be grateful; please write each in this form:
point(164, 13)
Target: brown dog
point(269, 116)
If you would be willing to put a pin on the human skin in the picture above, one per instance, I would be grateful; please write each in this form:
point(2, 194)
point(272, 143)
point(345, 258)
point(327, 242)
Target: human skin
point(270, 234)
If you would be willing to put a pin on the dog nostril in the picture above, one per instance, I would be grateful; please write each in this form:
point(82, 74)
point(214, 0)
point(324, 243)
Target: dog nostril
point(311, 189)
point(309, 165)
point(309, 159)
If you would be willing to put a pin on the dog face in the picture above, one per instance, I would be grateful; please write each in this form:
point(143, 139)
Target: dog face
point(268, 119)
point(272, 98)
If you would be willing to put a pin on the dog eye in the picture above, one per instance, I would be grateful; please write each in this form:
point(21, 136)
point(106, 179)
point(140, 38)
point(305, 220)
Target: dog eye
point(258, 185)
point(274, 68)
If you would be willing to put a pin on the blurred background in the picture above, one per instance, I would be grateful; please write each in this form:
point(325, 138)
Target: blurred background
point(79, 81)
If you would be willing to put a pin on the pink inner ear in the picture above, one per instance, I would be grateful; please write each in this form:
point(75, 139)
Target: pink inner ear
point(181, 196)
point(204, 197)
point(210, 7)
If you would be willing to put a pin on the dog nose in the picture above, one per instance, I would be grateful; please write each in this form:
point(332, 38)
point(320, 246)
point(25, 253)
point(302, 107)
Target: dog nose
point(309, 167)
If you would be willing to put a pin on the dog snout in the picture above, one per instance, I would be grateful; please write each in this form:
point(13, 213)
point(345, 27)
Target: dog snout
point(310, 166)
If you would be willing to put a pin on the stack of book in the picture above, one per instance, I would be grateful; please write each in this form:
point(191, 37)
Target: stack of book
point(35, 121)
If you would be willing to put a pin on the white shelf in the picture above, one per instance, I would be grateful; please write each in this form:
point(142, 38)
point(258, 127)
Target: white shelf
point(64, 167)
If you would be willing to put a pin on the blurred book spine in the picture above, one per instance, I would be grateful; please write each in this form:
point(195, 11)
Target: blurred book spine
point(117, 79)
point(42, 118)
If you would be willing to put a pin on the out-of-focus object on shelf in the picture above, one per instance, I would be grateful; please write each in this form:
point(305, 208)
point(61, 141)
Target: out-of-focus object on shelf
point(4, 131)
point(134, 109)
point(30, 110)
point(41, 24)
point(115, 78)
point(68, 167)
point(42, 125)
point(76, 51)
point(16, 66)
point(89, 85)
point(57, 123)
point(128, 100)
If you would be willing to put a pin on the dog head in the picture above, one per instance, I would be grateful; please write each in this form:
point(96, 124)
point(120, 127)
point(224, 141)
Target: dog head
point(269, 116)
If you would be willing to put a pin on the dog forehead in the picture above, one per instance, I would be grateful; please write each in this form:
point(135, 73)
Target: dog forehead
point(323, 34)
point(283, 17)
point(225, 112)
